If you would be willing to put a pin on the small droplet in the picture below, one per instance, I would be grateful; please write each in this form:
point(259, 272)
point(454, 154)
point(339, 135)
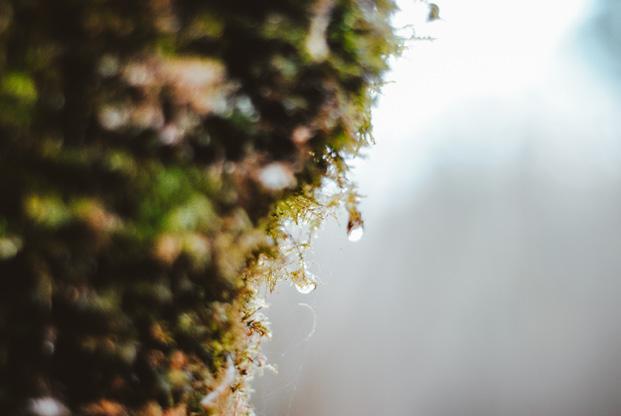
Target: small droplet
point(355, 233)
point(306, 287)
point(305, 282)
point(355, 226)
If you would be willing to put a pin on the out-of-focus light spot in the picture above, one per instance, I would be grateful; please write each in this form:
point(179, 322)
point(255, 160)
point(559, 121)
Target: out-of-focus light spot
point(112, 118)
point(9, 247)
point(170, 134)
point(108, 65)
point(316, 42)
point(48, 406)
point(276, 177)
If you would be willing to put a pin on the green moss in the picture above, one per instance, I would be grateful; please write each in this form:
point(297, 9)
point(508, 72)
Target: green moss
point(137, 220)
point(47, 210)
point(19, 86)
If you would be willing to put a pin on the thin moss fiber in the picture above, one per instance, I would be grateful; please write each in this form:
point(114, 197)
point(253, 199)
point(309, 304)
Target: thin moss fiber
point(151, 154)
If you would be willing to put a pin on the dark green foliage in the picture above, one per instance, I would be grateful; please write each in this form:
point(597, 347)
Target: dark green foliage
point(143, 145)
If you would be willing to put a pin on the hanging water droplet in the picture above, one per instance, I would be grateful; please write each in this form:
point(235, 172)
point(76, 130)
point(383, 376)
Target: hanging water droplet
point(306, 287)
point(355, 226)
point(304, 281)
point(355, 233)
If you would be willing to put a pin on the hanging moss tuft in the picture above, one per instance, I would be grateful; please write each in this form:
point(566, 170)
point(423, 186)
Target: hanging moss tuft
point(149, 151)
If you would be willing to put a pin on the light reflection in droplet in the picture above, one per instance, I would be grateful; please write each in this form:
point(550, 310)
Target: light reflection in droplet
point(355, 233)
point(306, 286)
point(304, 281)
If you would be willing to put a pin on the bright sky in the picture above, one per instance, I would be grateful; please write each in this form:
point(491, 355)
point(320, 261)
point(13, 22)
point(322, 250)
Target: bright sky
point(483, 49)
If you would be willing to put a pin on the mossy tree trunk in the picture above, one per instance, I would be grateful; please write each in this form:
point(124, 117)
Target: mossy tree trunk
point(143, 147)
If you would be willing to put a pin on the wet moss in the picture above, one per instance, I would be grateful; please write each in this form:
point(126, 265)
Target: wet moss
point(152, 153)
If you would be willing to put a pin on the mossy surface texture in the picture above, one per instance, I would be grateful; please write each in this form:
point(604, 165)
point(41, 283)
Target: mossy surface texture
point(148, 151)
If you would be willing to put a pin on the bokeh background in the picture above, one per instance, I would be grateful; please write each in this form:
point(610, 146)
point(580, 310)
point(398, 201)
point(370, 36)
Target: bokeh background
point(488, 282)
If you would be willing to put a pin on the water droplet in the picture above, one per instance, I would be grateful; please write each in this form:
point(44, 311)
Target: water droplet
point(355, 225)
point(304, 281)
point(306, 287)
point(355, 233)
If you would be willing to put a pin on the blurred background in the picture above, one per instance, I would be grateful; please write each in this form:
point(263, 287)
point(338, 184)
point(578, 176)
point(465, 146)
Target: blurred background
point(488, 279)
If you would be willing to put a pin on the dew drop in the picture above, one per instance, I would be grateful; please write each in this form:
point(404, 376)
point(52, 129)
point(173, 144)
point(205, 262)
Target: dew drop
point(355, 226)
point(306, 287)
point(355, 233)
point(305, 281)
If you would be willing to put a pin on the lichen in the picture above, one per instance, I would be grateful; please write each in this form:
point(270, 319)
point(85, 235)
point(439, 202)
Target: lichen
point(153, 153)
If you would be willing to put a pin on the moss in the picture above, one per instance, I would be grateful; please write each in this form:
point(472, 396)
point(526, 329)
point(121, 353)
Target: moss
point(153, 155)
point(19, 86)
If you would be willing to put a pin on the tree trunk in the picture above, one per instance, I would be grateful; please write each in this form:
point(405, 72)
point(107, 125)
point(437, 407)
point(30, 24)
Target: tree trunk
point(144, 148)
